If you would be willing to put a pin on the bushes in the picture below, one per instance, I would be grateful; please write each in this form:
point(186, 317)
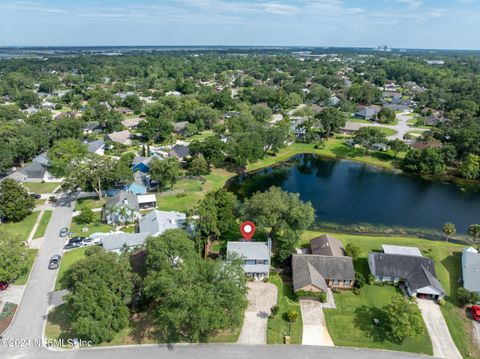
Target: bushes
point(465, 297)
point(8, 310)
point(441, 302)
point(87, 216)
point(274, 311)
point(321, 296)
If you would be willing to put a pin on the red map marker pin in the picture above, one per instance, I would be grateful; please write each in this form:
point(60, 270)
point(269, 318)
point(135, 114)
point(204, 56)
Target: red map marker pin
point(247, 229)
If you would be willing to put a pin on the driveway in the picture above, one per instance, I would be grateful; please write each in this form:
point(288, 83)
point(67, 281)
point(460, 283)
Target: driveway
point(314, 328)
point(12, 294)
point(31, 314)
point(442, 342)
point(261, 297)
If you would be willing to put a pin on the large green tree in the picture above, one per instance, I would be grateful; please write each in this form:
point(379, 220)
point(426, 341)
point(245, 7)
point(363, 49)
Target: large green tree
point(156, 129)
point(15, 202)
point(367, 136)
point(13, 257)
point(165, 172)
point(404, 319)
point(100, 287)
point(330, 120)
point(211, 149)
point(63, 152)
point(284, 213)
point(191, 298)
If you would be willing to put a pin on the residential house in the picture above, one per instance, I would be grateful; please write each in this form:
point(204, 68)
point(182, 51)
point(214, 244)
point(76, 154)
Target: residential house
point(156, 222)
point(96, 147)
point(123, 111)
point(179, 127)
point(255, 256)
point(406, 264)
point(147, 201)
point(398, 107)
point(350, 128)
point(297, 126)
point(91, 127)
point(122, 208)
point(140, 184)
point(119, 241)
point(142, 164)
point(121, 137)
point(425, 144)
point(179, 151)
point(367, 113)
point(36, 171)
point(471, 269)
point(132, 123)
point(326, 267)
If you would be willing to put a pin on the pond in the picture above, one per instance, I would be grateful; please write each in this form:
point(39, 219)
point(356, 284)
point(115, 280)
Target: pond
point(351, 193)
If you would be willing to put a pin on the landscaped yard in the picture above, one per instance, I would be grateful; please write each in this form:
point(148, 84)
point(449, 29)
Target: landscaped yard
point(21, 229)
point(67, 261)
point(387, 131)
point(200, 136)
point(89, 203)
point(447, 257)
point(41, 187)
point(278, 328)
point(42, 226)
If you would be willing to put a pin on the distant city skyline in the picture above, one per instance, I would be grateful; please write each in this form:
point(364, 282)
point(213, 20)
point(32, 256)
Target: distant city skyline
point(426, 24)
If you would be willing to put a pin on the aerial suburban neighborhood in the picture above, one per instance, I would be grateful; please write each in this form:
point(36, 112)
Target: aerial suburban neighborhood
point(238, 201)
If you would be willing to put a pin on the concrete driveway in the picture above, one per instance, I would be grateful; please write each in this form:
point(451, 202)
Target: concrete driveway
point(12, 294)
point(314, 328)
point(442, 342)
point(261, 297)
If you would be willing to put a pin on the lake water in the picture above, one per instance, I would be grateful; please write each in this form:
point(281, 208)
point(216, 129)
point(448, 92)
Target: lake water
point(352, 193)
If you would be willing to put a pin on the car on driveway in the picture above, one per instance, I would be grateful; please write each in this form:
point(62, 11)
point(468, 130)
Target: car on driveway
point(3, 286)
point(35, 195)
point(64, 232)
point(54, 262)
point(475, 309)
point(76, 240)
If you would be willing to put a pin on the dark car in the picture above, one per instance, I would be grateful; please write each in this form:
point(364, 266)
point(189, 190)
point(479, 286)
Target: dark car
point(76, 240)
point(72, 246)
point(64, 232)
point(35, 195)
point(3, 286)
point(54, 262)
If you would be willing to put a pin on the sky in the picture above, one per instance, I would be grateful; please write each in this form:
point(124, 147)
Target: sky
point(436, 24)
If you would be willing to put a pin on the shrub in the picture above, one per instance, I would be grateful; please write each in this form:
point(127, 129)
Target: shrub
point(465, 297)
point(274, 311)
point(359, 280)
point(371, 279)
point(352, 250)
point(87, 216)
point(441, 301)
point(321, 296)
point(356, 291)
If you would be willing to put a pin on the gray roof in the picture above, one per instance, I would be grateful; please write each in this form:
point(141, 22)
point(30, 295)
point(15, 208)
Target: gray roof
point(145, 160)
point(34, 170)
point(327, 267)
point(95, 145)
point(405, 250)
point(367, 112)
point(180, 126)
point(471, 269)
point(405, 267)
point(122, 198)
point(327, 245)
point(117, 241)
point(42, 158)
point(249, 250)
point(156, 222)
point(179, 151)
point(92, 126)
point(141, 179)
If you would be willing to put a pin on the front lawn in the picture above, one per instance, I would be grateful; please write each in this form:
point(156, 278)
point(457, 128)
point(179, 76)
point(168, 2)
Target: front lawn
point(89, 203)
point(42, 226)
point(94, 227)
point(32, 255)
point(351, 323)
point(41, 187)
point(278, 328)
point(21, 229)
point(447, 258)
point(68, 259)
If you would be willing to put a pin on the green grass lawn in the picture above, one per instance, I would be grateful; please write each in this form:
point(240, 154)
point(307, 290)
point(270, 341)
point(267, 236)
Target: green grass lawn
point(89, 203)
point(278, 328)
point(68, 259)
point(21, 229)
point(39, 187)
point(42, 226)
point(334, 148)
point(351, 323)
point(97, 226)
point(387, 131)
point(200, 136)
point(447, 257)
point(32, 254)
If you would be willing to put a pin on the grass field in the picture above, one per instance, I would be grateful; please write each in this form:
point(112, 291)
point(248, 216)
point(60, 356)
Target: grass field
point(96, 226)
point(278, 328)
point(334, 148)
point(200, 136)
point(32, 254)
point(42, 226)
point(387, 131)
point(447, 258)
point(89, 203)
point(21, 229)
point(41, 187)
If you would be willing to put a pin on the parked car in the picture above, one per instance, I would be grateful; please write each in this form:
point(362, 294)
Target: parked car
point(54, 262)
point(3, 286)
point(91, 241)
point(72, 245)
point(475, 309)
point(35, 195)
point(78, 240)
point(64, 232)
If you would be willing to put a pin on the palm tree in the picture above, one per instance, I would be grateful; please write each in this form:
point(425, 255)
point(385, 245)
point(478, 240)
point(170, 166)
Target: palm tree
point(449, 230)
point(474, 232)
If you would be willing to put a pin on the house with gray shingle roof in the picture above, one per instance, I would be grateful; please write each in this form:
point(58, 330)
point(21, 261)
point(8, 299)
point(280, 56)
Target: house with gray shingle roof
point(255, 257)
point(156, 222)
point(417, 272)
point(96, 147)
point(471, 269)
point(367, 113)
point(122, 208)
point(116, 242)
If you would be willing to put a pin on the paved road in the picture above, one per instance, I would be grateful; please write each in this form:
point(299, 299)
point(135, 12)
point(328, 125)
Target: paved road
point(315, 330)
point(31, 314)
point(261, 297)
point(442, 342)
point(232, 351)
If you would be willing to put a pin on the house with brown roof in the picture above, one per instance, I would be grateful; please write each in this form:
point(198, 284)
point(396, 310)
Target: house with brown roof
point(326, 267)
point(122, 137)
